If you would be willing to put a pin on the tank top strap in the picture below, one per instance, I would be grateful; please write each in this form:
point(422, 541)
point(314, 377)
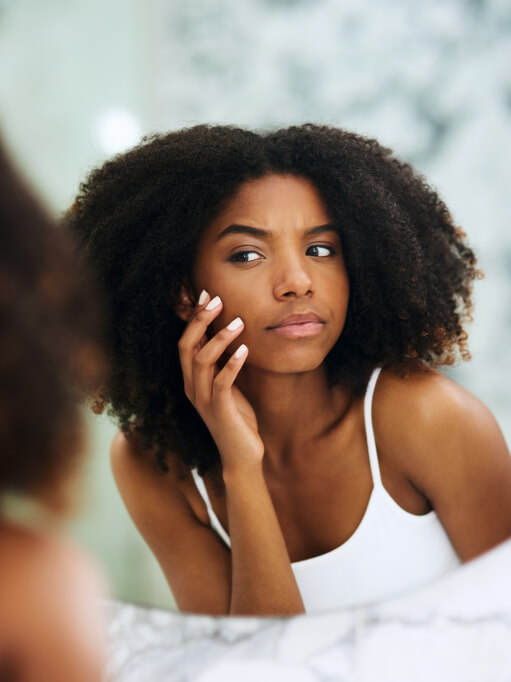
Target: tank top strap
point(368, 420)
point(213, 518)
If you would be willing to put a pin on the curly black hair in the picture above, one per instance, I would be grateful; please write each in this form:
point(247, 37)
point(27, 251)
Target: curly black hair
point(50, 346)
point(139, 217)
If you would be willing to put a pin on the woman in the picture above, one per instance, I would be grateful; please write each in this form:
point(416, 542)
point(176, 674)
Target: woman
point(260, 290)
point(50, 625)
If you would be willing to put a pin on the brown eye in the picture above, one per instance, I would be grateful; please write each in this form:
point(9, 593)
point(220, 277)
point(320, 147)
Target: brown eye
point(244, 257)
point(320, 250)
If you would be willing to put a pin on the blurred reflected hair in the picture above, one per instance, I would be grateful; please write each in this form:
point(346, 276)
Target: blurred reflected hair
point(49, 346)
point(138, 220)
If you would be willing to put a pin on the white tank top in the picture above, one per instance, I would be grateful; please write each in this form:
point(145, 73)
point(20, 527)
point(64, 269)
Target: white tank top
point(391, 551)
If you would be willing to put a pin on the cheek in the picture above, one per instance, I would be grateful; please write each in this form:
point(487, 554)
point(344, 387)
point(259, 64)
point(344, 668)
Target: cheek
point(342, 295)
point(343, 284)
point(216, 285)
point(233, 306)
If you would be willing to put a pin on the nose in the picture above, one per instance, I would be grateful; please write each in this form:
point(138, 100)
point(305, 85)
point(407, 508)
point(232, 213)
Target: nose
point(292, 278)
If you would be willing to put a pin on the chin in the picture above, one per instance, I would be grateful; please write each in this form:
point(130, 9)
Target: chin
point(290, 363)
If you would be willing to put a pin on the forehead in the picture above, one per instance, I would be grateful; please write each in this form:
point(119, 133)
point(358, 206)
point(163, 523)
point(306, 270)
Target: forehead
point(271, 202)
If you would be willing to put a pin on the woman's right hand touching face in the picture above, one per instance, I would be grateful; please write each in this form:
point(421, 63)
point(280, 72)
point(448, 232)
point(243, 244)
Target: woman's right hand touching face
point(226, 412)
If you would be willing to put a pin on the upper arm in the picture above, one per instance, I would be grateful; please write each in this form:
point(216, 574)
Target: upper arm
point(454, 453)
point(194, 560)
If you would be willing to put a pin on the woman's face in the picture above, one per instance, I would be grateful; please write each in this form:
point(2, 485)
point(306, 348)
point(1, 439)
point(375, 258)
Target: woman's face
point(275, 260)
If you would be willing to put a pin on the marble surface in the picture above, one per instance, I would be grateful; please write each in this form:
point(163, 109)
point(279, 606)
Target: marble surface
point(458, 628)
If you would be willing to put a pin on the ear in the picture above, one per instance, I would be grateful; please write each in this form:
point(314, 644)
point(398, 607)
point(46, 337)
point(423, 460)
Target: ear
point(186, 302)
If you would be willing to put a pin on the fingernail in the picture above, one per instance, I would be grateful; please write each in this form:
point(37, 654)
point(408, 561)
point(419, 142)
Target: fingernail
point(214, 303)
point(241, 351)
point(203, 297)
point(235, 324)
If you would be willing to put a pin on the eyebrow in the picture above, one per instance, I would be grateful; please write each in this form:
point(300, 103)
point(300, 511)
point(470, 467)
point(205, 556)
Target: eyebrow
point(267, 234)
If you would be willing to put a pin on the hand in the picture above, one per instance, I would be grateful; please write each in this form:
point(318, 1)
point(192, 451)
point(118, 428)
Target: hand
point(226, 412)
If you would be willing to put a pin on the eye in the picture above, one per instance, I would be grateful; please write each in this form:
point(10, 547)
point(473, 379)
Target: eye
point(320, 250)
point(244, 257)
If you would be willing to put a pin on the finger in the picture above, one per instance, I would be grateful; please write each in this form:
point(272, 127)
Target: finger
point(225, 379)
point(194, 335)
point(205, 310)
point(204, 365)
point(204, 298)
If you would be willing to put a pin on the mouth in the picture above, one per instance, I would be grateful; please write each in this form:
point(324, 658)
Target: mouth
point(299, 325)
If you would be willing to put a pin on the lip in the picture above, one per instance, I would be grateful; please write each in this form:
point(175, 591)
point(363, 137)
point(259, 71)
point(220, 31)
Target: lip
point(299, 325)
point(298, 318)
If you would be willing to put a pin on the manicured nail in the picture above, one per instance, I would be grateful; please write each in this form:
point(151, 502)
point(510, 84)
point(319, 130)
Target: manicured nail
point(203, 297)
point(235, 324)
point(242, 350)
point(214, 303)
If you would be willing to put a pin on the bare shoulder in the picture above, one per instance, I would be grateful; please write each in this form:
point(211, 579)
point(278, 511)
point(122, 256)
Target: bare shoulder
point(35, 560)
point(426, 407)
point(150, 494)
point(135, 469)
point(44, 579)
point(448, 445)
point(422, 383)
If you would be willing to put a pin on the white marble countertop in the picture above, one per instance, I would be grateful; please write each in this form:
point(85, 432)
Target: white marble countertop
point(458, 628)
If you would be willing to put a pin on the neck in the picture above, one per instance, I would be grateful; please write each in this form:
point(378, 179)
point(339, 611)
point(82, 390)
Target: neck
point(293, 410)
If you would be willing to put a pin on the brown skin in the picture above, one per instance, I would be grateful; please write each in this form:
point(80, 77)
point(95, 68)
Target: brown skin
point(50, 625)
point(294, 463)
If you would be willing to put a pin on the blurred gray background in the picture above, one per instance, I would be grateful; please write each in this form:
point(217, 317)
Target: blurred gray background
point(80, 81)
